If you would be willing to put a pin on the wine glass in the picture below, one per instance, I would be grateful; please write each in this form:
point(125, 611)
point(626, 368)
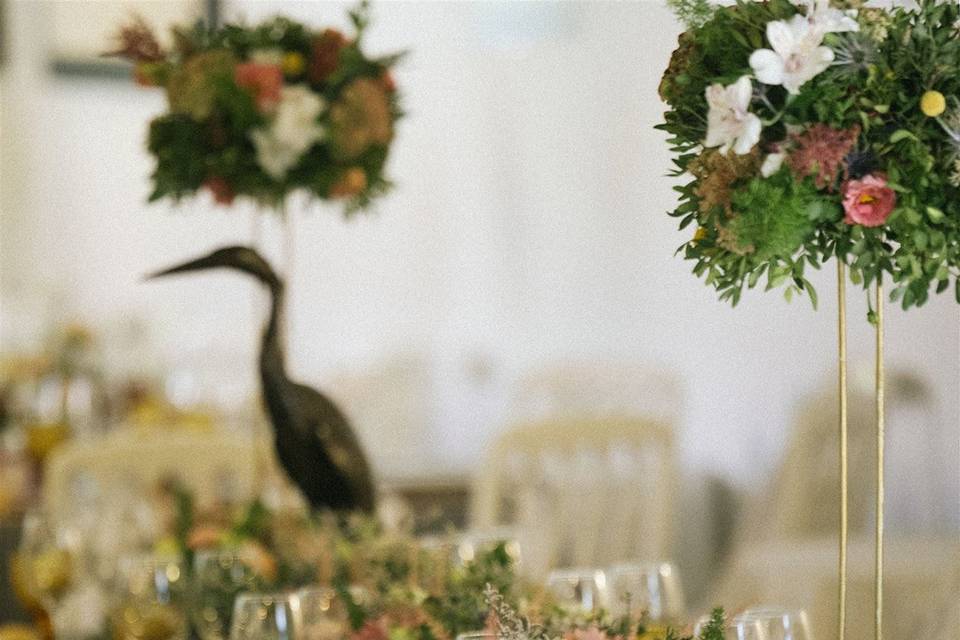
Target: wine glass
point(772, 623)
point(647, 591)
point(323, 615)
point(218, 576)
point(583, 590)
point(151, 599)
point(266, 616)
point(46, 567)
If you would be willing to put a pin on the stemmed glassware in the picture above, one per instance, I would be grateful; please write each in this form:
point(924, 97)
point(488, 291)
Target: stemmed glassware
point(323, 615)
point(771, 623)
point(765, 623)
point(583, 590)
point(218, 576)
point(50, 571)
point(646, 591)
point(152, 590)
point(267, 616)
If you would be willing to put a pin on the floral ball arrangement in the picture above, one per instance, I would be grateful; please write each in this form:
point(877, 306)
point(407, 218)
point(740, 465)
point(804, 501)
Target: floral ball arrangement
point(263, 111)
point(814, 130)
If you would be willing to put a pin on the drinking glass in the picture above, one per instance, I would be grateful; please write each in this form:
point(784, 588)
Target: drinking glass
point(218, 576)
point(582, 590)
point(323, 615)
point(646, 591)
point(772, 623)
point(477, 635)
point(266, 616)
point(152, 590)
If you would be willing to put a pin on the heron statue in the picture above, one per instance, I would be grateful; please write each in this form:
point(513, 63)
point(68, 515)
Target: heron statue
point(314, 441)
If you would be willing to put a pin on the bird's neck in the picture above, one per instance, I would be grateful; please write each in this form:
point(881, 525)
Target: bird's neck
point(272, 363)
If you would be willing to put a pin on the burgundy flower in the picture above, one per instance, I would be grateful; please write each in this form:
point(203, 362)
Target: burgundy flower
point(222, 191)
point(325, 55)
point(868, 201)
point(263, 80)
point(820, 151)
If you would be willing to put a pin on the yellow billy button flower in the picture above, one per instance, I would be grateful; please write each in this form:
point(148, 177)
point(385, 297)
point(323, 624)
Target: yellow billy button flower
point(933, 104)
point(293, 63)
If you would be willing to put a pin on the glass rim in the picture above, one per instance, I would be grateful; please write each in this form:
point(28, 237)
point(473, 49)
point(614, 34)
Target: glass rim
point(764, 613)
point(662, 567)
point(576, 572)
point(267, 597)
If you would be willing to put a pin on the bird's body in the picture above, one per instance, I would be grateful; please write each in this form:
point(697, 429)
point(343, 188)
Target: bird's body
point(314, 441)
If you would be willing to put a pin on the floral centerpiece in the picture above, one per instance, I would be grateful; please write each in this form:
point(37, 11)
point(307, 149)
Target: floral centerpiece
point(813, 130)
point(266, 110)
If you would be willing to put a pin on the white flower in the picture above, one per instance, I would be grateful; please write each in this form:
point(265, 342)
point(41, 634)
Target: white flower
point(729, 123)
point(796, 56)
point(291, 132)
point(771, 164)
point(829, 19)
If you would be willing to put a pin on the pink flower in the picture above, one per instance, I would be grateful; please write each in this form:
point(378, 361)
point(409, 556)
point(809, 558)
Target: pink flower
point(868, 201)
point(264, 80)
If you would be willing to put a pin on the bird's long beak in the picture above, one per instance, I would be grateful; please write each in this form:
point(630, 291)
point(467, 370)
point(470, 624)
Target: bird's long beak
point(193, 265)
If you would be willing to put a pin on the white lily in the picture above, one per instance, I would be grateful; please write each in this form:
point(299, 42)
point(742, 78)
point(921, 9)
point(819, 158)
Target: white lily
point(796, 57)
point(830, 19)
point(729, 121)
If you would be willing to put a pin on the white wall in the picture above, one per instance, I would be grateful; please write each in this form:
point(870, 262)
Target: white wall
point(528, 224)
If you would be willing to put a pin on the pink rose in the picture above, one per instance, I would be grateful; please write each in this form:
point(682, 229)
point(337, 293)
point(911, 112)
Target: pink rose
point(868, 201)
point(264, 80)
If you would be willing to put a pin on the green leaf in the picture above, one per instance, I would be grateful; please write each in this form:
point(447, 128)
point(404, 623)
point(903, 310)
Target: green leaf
point(935, 215)
point(901, 134)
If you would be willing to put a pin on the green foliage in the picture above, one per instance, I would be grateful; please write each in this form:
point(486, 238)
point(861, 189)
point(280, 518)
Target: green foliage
point(462, 605)
point(692, 13)
point(779, 229)
point(714, 629)
point(773, 216)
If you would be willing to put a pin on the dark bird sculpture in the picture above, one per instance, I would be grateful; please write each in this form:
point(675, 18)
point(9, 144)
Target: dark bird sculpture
point(313, 439)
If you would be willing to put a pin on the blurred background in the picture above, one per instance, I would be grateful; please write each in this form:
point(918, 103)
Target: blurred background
point(522, 268)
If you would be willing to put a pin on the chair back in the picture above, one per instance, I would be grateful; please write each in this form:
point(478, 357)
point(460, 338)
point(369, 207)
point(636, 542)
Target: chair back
point(215, 467)
point(581, 492)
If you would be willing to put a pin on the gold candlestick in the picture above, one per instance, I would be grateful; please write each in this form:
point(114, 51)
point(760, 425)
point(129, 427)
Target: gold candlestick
point(842, 374)
point(878, 567)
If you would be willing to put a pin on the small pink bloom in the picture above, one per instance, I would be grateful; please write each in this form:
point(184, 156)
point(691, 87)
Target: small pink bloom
point(264, 80)
point(868, 201)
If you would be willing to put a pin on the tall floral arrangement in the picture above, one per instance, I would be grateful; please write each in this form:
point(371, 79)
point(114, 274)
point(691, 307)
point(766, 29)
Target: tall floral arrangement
point(266, 110)
point(812, 129)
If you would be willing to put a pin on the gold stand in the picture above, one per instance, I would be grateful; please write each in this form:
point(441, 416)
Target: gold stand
point(878, 567)
point(842, 373)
